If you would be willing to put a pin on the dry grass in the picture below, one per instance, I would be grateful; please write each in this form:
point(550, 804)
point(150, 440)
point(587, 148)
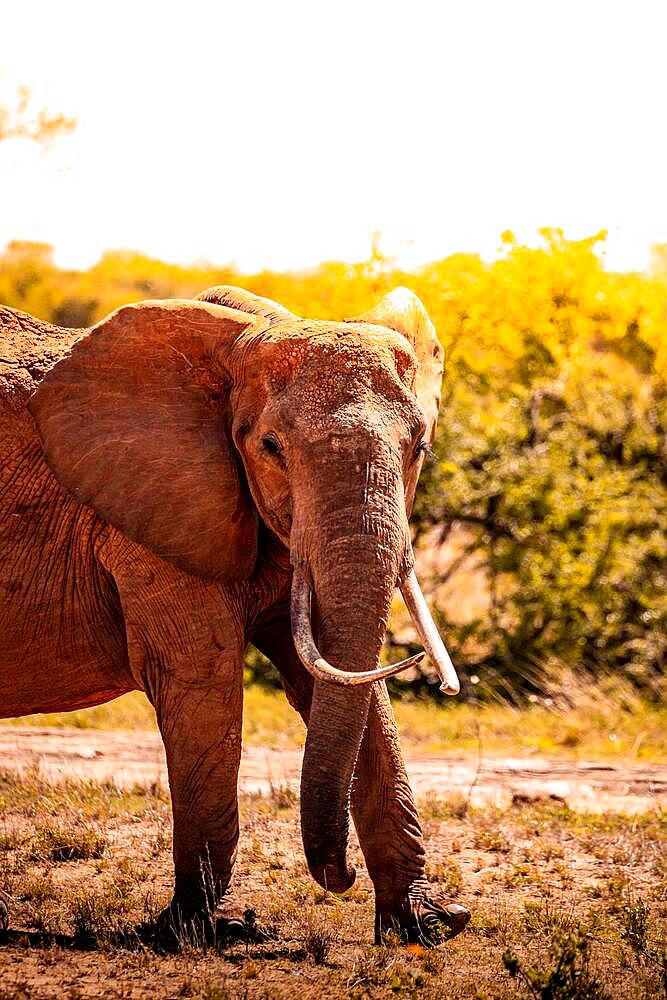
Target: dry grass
point(610, 721)
point(561, 901)
point(76, 842)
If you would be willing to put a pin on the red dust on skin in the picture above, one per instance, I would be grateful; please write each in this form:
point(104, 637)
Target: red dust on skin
point(160, 475)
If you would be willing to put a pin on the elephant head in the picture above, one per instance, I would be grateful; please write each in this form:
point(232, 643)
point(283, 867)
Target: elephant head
point(186, 423)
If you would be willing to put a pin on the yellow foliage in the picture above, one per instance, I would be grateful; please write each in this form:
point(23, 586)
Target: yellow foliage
point(553, 455)
point(559, 299)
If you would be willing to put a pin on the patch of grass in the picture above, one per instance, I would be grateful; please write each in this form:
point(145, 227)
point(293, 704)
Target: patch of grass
point(283, 797)
point(489, 921)
point(547, 849)
point(131, 711)
point(281, 803)
point(356, 895)
point(648, 947)
point(208, 990)
point(609, 720)
point(269, 720)
point(162, 841)
point(41, 898)
point(89, 800)
point(634, 923)
point(436, 807)
point(590, 829)
point(542, 918)
point(582, 721)
point(37, 889)
point(75, 842)
point(569, 976)
point(448, 874)
point(101, 918)
point(10, 839)
point(522, 873)
point(317, 936)
point(386, 968)
point(490, 838)
point(107, 906)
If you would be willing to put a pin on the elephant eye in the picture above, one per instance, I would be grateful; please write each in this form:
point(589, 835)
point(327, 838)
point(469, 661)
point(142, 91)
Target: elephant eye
point(422, 449)
point(271, 444)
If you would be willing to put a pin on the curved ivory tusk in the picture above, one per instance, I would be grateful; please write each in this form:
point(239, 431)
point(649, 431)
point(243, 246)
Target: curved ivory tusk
point(428, 633)
point(308, 652)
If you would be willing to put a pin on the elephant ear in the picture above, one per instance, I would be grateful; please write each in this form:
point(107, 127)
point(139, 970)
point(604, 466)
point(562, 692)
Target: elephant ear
point(239, 298)
point(403, 311)
point(135, 423)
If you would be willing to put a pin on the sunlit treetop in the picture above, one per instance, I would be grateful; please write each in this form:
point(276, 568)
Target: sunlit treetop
point(21, 121)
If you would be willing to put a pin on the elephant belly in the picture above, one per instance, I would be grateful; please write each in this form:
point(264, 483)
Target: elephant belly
point(62, 639)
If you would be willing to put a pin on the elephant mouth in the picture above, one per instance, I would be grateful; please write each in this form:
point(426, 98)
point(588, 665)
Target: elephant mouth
point(422, 619)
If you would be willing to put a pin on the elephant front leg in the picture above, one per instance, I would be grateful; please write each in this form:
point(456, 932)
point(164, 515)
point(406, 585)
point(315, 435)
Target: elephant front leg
point(387, 824)
point(383, 809)
point(200, 721)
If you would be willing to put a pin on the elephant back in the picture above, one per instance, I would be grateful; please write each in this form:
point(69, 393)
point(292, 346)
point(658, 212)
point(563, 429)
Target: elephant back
point(29, 348)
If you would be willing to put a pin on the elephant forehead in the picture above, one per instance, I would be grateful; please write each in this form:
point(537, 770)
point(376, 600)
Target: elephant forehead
point(351, 395)
point(331, 349)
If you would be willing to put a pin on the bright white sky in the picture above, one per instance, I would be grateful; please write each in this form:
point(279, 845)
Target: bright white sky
point(285, 132)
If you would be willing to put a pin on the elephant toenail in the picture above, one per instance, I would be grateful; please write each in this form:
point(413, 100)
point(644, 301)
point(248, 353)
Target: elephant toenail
point(457, 917)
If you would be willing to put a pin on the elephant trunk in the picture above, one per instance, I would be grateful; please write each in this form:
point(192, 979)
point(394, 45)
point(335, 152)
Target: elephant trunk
point(351, 546)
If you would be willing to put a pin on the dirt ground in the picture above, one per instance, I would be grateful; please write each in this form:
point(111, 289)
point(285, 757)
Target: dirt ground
point(129, 759)
point(564, 867)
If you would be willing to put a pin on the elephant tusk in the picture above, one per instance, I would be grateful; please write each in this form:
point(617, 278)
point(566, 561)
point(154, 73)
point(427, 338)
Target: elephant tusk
point(309, 654)
point(429, 635)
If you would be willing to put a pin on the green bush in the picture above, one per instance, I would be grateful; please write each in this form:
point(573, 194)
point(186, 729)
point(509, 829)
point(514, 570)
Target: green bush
point(552, 465)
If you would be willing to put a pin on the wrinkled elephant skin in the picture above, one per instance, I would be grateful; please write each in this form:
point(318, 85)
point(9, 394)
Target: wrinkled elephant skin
point(162, 475)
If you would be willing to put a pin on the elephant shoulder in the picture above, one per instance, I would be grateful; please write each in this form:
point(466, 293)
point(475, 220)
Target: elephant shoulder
point(29, 348)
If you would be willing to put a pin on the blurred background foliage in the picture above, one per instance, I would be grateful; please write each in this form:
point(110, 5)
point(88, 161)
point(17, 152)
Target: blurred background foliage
point(541, 519)
point(21, 120)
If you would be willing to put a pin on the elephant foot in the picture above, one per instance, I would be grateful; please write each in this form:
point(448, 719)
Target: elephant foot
point(421, 917)
point(235, 924)
point(4, 914)
point(178, 928)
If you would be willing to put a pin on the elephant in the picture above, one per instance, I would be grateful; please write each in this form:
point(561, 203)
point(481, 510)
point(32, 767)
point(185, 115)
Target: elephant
point(192, 475)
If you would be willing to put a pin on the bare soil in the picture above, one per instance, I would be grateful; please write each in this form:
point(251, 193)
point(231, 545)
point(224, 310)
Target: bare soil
point(542, 853)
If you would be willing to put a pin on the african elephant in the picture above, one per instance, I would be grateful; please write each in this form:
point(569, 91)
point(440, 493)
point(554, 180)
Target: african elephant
point(187, 477)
